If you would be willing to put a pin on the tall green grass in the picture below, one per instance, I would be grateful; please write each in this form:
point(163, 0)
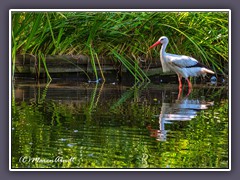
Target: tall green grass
point(122, 36)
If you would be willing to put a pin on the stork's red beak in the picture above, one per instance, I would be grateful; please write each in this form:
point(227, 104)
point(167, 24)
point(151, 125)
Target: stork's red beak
point(155, 44)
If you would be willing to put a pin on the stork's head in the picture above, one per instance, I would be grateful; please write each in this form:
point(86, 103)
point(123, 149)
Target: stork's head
point(162, 40)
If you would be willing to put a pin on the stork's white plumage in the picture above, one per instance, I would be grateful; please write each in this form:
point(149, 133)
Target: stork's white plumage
point(184, 66)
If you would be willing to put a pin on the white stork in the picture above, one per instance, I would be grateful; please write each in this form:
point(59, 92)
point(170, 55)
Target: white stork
point(184, 66)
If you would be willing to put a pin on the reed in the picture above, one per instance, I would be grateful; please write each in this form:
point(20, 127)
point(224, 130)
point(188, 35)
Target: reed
point(124, 36)
point(43, 59)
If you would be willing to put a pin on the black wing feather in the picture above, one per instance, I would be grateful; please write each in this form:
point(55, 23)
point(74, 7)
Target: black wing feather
point(198, 64)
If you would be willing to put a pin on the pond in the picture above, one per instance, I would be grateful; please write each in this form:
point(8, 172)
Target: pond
point(71, 124)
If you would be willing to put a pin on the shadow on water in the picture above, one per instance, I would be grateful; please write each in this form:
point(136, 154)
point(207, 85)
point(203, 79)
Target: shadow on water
point(112, 125)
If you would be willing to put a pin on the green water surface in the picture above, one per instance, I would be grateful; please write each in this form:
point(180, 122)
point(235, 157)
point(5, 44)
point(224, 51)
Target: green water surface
point(82, 125)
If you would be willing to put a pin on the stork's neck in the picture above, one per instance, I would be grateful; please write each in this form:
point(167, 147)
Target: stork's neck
point(164, 59)
point(163, 49)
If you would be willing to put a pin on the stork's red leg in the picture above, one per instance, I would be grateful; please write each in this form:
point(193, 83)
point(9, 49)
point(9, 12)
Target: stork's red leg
point(189, 83)
point(180, 86)
point(189, 86)
point(179, 93)
point(180, 81)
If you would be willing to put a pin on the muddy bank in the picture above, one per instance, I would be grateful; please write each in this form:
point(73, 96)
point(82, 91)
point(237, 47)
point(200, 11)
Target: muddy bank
point(68, 65)
point(76, 67)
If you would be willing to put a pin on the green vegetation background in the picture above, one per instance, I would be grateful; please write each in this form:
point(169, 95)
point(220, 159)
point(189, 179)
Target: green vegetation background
point(122, 36)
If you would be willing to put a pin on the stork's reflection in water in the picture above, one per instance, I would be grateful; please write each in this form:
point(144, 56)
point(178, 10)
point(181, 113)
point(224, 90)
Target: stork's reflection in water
point(183, 109)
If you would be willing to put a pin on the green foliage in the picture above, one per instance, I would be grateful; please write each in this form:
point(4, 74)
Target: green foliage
point(203, 35)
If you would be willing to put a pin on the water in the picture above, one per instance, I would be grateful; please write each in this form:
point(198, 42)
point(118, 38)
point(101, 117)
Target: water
point(87, 125)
